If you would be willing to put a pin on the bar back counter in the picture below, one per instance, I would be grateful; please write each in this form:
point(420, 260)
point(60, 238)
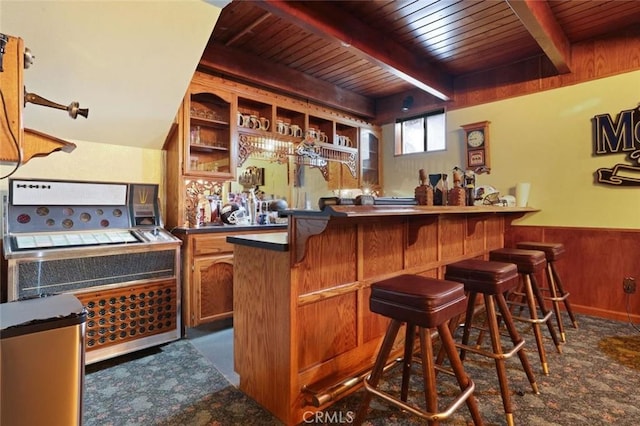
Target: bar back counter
point(303, 333)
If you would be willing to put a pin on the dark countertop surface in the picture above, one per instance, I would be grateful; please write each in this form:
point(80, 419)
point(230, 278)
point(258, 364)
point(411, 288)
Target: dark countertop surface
point(275, 227)
point(276, 241)
point(403, 210)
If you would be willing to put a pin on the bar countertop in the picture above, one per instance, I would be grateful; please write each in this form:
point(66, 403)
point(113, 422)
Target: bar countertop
point(276, 241)
point(275, 227)
point(400, 210)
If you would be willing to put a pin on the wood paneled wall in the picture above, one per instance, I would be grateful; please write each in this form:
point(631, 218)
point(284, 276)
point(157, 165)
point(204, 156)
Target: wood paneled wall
point(590, 60)
point(593, 267)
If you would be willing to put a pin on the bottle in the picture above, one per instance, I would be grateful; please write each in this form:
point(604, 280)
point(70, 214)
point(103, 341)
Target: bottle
point(457, 193)
point(470, 187)
point(215, 209)
point(201, 215)
point(252, 207)
point(445, 190)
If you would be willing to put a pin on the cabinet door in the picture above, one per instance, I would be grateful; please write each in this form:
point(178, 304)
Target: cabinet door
point(213, 285)
point(210, 148)
point(370, 159)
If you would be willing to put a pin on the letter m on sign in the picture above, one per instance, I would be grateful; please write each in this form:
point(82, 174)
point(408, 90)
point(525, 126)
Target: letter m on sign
point(611, 137)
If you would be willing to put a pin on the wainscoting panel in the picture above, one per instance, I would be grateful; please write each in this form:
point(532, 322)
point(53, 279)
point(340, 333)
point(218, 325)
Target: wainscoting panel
point(593, 267)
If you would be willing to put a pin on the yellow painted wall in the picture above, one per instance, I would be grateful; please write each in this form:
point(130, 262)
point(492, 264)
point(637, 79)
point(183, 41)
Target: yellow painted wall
point(94, 162)
point(545, 139)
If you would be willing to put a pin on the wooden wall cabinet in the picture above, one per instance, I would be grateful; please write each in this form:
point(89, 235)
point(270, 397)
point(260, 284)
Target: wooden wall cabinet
point(260, 124)
point(201, 146)
point(210, 148)
point(370, 159)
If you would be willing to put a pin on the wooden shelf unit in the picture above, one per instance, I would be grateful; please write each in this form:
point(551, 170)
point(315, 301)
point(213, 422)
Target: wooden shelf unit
point(18, 144)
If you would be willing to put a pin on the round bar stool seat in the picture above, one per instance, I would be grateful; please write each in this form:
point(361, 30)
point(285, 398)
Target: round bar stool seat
point(423, 303)
point(492, 280)
point(530, 262)
point(557, 294)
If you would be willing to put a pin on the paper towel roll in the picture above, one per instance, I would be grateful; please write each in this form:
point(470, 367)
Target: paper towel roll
point(522, 194)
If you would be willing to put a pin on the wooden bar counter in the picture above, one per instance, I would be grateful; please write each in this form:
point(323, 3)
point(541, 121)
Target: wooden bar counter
point(303, 333)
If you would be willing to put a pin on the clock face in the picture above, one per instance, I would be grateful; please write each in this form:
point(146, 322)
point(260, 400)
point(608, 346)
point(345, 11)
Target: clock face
point(475, 138)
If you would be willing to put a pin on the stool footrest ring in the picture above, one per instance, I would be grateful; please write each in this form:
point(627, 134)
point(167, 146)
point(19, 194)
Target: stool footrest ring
point(492, 355)
point(535, 321)
point(455, 404)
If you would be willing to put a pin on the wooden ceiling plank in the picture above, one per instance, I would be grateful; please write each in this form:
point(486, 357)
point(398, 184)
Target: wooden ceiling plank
point(539, 20)
point(220, 59)
point(328, 21)
point(247, 29)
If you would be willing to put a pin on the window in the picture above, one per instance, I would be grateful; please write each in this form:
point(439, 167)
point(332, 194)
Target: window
point(425, 133)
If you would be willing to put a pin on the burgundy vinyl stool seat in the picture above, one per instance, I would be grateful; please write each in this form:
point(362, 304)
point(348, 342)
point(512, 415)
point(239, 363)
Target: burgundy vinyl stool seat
point(529, 262)
point(492, 280)
point(426, 304)
point(555, 289)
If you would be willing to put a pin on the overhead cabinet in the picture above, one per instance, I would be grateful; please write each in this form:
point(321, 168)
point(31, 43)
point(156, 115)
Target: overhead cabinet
point(209, 148)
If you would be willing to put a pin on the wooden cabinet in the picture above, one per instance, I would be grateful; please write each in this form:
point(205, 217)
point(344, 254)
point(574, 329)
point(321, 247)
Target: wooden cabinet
point(213, 287)
point(370, 157)
point(209, 145)
point(207, 268)
point(201, 149)
point(220, 124)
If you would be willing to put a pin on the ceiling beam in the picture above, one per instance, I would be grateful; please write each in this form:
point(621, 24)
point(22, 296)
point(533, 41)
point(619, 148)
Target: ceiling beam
point(329, 21)
point(538, 19)
point(222, 59)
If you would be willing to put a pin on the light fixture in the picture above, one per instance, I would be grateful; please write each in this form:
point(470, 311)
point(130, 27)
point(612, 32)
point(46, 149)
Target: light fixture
point(407, 103)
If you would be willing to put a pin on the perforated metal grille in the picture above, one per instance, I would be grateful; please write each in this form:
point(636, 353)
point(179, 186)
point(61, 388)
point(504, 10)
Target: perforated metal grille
point(68, 275)
point(129, 313)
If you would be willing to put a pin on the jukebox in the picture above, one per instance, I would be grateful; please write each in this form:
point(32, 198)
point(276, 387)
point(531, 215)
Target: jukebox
point(104, 243)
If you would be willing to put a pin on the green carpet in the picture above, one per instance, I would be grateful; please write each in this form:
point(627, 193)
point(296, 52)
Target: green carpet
point(595, 381)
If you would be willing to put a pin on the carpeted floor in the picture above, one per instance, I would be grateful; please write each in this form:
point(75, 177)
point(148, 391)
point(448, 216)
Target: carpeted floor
point(595, 381)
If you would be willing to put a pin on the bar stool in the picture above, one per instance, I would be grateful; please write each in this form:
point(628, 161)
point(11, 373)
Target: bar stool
point(427, 304)
point(492, 280)
point(553, 252)
point(529, 262)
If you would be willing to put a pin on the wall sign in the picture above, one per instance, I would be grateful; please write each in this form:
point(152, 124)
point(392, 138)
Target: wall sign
point(621, 135)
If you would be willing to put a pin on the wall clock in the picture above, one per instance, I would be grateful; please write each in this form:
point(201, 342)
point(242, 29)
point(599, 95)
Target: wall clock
point(476, 143)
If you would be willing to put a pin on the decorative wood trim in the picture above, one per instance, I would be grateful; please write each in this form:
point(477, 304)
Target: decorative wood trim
point(590, 60)
point(304, 229)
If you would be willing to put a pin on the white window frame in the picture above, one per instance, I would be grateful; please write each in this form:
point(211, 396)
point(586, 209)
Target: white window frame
point(433, 137)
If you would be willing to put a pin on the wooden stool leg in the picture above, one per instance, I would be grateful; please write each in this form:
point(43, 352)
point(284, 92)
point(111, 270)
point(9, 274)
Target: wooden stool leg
point(545, 312)
point(516, 339)
point(554, 301)
point(376, 373)
point(494, 333)
point(428, 374)
point(567, 305)
point(408, 358)
point(467, 322)
point(533, 313)
point(458, 369)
